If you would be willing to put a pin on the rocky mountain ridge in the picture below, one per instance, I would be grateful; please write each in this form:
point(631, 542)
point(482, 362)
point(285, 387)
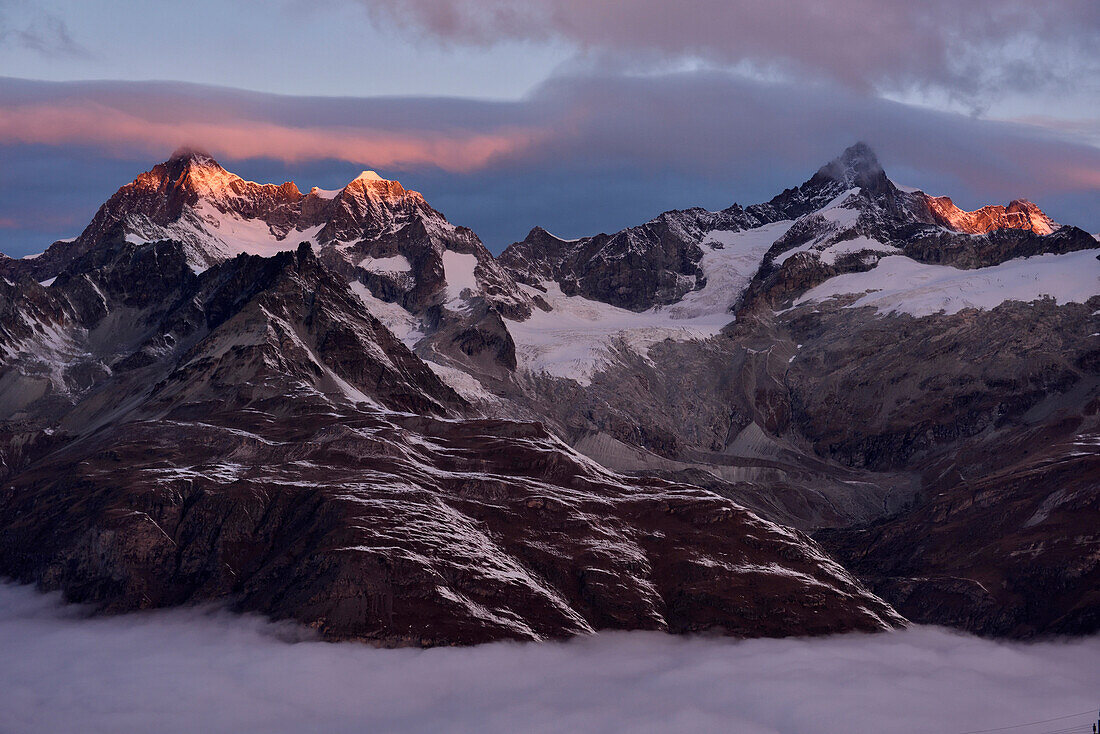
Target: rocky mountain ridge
point(252, 433)
point(838, 360)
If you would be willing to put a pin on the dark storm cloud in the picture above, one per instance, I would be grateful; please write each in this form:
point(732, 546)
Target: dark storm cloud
point(961, 46)
point(580, 154)
point(201, 670)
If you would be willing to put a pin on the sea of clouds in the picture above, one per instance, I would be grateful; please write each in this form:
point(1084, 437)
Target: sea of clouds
point(205, 670)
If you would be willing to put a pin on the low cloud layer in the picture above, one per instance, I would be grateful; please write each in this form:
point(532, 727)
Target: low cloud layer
point(193, 670)
point(579, 155)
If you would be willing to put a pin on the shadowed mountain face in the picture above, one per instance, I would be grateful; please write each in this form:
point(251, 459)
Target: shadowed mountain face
point(337, 407)
point(254, 434)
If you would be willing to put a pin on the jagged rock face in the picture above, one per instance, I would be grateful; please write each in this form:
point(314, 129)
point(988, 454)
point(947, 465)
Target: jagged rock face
point(137, 313)
point(856, 168)
point(861, 226)
point(256, 435)
point(844, 218)
point(936, 380)
point(373, 232)
point(610, 268)
point(1019, 214)
point(995, 247)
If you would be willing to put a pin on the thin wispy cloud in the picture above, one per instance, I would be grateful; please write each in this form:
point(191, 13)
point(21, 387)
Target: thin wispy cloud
point(38, 30)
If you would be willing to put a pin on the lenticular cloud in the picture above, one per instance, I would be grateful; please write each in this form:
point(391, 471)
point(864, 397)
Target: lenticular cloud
point(206, 670)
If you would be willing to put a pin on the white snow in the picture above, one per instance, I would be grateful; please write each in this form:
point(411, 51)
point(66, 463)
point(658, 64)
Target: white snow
point(403, 324)
point(458, 269)
point(391, 264)
point(210, 235)
point(900, 284)
point(830, 254)
point(324, 193)
point(48, 282)
point(562, 239)
point(906, 189)
point(728, 269)
point(842, 217)
point(369, 176)
point(579, 337)
point(32, 257)
point(462, 383)
point(837, 201)
point(251, 236)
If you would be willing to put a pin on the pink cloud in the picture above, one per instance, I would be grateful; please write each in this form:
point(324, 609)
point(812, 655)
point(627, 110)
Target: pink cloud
point(84, 122)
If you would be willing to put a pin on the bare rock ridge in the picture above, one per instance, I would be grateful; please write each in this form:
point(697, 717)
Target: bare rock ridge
point(252, 433)
point(338, 407)
point(658, 263)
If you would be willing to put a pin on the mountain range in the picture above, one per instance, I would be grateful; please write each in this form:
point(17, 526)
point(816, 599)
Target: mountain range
point(849, 407)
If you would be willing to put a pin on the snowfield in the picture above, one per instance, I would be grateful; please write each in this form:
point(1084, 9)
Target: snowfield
point(901, 285)
point(391, 264)
point(458, 269)
point(579, 336)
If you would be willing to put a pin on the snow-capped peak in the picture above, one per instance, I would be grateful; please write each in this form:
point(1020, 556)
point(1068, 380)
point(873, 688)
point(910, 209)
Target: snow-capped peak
point(191, 155)
point(369, 176)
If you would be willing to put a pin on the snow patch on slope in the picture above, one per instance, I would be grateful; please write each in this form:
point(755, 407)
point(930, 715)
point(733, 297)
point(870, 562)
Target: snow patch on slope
point(403, 324)
point(391, 264)
point(324, 193)
point(251, 236)
point(899, 284)
point(579, 337)
point(730, 260)
point(458, 269)
point(209, 235)
point(829, 255)
point(463, 383)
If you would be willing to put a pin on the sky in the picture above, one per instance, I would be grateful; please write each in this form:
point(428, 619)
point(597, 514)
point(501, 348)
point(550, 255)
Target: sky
point(203, 669)
point(580, 116)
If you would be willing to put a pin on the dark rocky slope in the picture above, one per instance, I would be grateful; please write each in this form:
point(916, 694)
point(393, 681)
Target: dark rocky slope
point(254, 435)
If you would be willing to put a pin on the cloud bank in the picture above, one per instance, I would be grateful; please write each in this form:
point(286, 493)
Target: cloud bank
point(581, 154)
point(202, 670)
point(968, 47)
